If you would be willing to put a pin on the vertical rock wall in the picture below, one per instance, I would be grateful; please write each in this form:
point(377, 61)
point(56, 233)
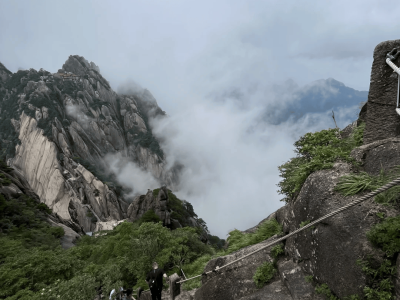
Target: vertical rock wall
point(70, 190)
point(382, 121)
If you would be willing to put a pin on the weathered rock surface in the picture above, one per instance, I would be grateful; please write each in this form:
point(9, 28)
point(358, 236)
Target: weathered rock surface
point(234, 281)
point(379, 155)
point(186, 295)
point(64, 188)
point(56, 121)
point(382, 121)
point(5, 74)
point(162, 207)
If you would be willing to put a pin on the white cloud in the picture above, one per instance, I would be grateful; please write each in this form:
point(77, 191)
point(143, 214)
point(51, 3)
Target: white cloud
point(130, 174)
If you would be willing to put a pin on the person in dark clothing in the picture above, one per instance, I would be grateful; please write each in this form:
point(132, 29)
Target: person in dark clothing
point(155, 281)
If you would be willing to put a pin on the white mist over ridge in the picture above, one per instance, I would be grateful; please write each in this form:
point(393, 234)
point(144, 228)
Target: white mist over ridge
point(231, 155)
point(131, 175)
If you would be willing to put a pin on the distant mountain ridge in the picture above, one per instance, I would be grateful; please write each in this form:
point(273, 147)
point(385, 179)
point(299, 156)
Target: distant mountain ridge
point(317, 97)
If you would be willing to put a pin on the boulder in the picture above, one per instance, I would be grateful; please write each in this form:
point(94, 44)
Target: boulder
point(236, 280)
point(382, 121)
point(379, 155)
point(325, 249)
point(273, 291)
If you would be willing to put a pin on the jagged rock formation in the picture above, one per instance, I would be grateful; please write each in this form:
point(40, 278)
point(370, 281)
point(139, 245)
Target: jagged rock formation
point(382, 121)
point(56, 128)
point(173, 212)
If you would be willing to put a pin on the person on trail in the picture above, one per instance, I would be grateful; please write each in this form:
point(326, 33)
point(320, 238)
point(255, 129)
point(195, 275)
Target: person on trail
point(113, 292)
point(155, 281)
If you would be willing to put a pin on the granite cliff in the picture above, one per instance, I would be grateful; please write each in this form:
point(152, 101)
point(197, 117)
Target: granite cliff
point(56, 129)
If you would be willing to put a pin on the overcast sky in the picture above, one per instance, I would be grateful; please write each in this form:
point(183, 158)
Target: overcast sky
point(193, 54)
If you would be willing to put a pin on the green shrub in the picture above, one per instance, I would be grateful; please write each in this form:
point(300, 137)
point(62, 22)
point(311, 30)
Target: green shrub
point(155, 192)
point(323, 289)
point(264, 274)
point(352, 184)
point(57, 231)
point(386, 235)
point(309, 278)
point(4, 180)
point(304, 223)
point(277, 250)
point(316, 151)
point(238, 240)
point(149, 216)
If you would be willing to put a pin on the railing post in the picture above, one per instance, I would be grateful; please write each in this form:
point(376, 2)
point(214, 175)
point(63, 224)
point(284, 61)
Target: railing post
point(174, 287)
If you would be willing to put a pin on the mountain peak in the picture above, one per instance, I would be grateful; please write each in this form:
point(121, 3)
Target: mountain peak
point(4, 73)
point(78, 65)
point(334, 82)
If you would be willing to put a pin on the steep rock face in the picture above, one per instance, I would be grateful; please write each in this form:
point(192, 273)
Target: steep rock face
point(64, 188)
point(325, 250)
point(382, 121)
point(143, 203)
point(5, 74)
point(57, 128)
point(236, 281)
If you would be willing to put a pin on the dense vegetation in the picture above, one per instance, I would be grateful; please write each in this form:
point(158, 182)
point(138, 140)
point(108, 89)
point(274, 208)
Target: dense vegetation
point(34, 266)
point(316, 151)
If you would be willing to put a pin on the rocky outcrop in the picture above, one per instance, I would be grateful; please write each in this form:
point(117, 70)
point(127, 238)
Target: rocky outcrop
point(61, 125)
point(143, 203)
point(382, 121)
point(73, 192)
point(5, 74)
point(234, 282)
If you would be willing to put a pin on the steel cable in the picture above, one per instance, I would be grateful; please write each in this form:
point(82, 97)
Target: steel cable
point(351, 204)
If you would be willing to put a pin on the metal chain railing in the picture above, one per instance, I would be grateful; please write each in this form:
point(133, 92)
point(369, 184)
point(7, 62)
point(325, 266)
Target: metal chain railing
point(351, 204)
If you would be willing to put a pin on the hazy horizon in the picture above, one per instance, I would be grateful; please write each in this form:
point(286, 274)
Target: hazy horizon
point(216, 68)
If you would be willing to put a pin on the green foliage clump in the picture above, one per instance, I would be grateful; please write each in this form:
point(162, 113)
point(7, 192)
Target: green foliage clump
point(386, 235)
point(267, 271)
point(264, 274)
point(182, 211)
point(216, 242)
point(193, 269)
point(277, 250)
point(4, 180)
point(238, 240)
point(304, 223)
point(316, 151)
point(149, 216)
point(380, 279)
point(155, 192)
point(323, 289)
point(352, 184)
